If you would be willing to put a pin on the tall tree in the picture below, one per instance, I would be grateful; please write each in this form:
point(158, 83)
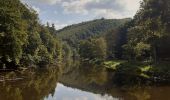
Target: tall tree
point(93, 49)
point(150, 25)
point(13, 31)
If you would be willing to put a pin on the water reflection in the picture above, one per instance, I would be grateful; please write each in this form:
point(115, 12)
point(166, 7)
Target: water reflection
point(98, 80)
point(35, 86)
point(85, 82)
point(66, 93)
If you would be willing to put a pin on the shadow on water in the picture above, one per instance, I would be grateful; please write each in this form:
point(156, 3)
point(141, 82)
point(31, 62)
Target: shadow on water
point(91, 81)
point(99, 80)
point(35, 85)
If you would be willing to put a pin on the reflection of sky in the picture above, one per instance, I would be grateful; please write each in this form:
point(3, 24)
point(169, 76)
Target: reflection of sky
point(66, 93)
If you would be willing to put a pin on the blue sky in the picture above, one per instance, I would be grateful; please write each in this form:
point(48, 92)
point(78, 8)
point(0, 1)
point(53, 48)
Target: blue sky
point(67, 12)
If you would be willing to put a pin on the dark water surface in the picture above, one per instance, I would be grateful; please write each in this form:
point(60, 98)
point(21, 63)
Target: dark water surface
point(78, 84)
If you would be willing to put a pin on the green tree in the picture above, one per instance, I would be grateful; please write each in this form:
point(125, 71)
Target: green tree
point(142, 50)
point(93, 49)
point(13, 32)
point(23, 40)
point(150, 25)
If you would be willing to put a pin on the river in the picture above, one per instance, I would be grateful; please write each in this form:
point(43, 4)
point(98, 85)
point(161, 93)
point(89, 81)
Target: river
point(78, 84)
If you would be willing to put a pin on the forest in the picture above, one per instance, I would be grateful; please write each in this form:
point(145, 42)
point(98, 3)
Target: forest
point(139, 45)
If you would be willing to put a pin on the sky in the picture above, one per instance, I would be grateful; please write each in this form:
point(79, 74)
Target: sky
point(66, 12)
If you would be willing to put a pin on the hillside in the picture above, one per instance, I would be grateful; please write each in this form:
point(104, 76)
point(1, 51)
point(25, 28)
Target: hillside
point(72, 34)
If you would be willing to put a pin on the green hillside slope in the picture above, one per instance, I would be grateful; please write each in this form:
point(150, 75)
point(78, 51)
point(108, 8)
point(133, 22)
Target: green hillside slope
point(72, 34)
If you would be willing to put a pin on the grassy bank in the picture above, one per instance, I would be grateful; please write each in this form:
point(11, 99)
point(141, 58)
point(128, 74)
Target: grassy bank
point(139, 73)
point(113, 64)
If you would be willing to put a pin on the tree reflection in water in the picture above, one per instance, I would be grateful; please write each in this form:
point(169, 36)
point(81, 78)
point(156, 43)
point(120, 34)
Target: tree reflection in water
point(35, 86)
point(86, 79)
point(98, 80)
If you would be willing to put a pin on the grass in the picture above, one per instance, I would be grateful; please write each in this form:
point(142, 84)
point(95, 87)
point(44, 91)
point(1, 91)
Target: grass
point(113, 64)
point(146, 68)
point(139, 72)
point(127, 66)
point(160, 69)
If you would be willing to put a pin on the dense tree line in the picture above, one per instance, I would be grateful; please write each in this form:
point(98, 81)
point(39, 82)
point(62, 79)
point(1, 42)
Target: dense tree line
point(23, 40)
point(145, 37)
point(85, 30)
point(89, 40)
point(142, 42)
point(147, 46)
point(109, 45)
point(148, 36)
point(93, 50)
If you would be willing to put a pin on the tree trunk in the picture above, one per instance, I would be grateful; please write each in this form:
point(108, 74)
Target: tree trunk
point(155, 54)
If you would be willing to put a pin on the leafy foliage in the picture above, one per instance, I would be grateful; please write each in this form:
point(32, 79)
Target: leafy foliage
point(75, 33)
point(93, 50)
point(23, 40)
point(150, 27)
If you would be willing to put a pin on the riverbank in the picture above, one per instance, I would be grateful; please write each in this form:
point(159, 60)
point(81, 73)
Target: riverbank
point(139, 73)
point(127, 73)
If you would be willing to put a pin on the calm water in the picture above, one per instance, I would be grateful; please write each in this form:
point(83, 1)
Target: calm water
point(67, 93)
point(78, 84)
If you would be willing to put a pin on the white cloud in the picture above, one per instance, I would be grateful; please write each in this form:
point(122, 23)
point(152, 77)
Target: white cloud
point(56, 12)
point(76, 6)
point(102, 8)
point(85, 7)
point(82, 10)
point(36, 9)
point(106, 13)
point(50, 2)
point(130, 6)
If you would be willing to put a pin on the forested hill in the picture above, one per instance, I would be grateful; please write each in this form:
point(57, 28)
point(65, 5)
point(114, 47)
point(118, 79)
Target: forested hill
point(26, 42)
point(89, 29)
